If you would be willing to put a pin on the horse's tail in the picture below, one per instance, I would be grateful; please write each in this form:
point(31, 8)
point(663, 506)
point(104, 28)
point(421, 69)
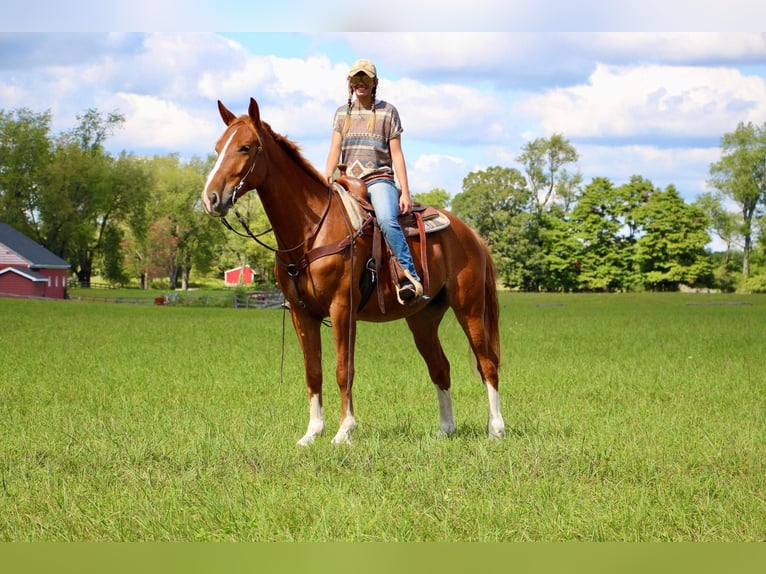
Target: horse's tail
point(491, 305)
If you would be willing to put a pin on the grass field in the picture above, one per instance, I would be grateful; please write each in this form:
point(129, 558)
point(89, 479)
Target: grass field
point(630, 418)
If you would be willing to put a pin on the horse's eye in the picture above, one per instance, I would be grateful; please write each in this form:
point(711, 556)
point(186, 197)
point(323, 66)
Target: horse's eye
point(245, 149)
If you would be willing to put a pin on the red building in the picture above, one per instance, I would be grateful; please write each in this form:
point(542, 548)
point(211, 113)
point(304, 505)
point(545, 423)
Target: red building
point(27, 269)
point(239, 276)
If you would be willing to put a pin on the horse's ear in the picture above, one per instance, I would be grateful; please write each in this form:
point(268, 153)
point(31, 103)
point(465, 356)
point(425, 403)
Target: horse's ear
point(254, 112)
point(226, 115)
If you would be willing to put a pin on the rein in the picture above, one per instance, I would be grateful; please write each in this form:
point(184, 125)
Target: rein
point(256, 236)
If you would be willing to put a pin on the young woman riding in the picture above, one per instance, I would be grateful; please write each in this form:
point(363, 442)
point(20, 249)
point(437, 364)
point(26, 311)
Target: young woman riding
point(366, 138)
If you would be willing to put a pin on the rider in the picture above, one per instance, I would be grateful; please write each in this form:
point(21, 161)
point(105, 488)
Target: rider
point(366, 137)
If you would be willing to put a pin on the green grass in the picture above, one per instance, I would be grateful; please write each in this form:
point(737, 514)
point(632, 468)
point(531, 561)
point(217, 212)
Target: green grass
point(629, 418)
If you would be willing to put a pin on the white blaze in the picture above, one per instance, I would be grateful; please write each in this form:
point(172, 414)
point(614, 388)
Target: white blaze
point(215, 169)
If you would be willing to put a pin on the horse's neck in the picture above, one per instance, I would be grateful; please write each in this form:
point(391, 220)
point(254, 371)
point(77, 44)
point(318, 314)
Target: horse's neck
point(295, 203)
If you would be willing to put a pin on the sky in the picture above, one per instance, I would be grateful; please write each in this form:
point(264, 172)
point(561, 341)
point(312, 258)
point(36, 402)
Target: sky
point(473, 84)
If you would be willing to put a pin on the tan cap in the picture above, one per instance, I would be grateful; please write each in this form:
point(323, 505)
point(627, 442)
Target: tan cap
point(364, 66)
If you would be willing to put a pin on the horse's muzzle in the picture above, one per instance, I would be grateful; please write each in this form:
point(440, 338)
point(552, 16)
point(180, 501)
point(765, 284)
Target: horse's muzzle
point(214, 205)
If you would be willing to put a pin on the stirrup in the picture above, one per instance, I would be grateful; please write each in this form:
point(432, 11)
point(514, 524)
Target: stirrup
point(411, 293)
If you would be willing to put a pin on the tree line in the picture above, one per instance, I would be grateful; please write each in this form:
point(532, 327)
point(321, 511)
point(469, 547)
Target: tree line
point(549, 232)
point(125, 219)
point(131, 219)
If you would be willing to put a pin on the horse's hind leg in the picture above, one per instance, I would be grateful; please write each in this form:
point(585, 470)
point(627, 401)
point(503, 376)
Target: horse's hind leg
point(424, 326)
point(477, 310)
point(471, 318)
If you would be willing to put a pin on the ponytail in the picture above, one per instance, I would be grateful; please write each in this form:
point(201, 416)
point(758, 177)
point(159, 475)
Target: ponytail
point(371, 121)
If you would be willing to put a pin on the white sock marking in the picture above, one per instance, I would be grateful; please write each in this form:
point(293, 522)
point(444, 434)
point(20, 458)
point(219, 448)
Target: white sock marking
point(496, 424)
point(316, 421)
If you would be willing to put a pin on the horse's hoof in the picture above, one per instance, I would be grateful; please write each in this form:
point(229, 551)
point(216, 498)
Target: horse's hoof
point(306, 440)
point(343, 437)
point(496, 430)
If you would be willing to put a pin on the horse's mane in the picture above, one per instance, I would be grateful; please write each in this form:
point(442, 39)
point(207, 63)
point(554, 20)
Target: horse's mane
point(294, 151)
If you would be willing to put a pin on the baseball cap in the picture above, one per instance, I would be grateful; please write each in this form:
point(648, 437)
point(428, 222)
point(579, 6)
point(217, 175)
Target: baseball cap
point(364, 66)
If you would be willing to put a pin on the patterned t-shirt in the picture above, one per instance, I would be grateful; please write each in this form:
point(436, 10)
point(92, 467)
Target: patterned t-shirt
point(366, 154)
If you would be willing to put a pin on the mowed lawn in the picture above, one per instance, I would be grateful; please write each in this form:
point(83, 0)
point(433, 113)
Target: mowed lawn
point(637, 417)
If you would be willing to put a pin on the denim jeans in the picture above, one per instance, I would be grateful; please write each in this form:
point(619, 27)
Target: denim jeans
point(384, 197)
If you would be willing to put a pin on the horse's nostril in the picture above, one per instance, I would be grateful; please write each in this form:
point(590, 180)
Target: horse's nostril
point(213, 200)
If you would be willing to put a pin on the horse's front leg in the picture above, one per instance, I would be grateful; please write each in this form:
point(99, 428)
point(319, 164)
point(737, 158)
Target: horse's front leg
point(308, 330)
point(344, 335)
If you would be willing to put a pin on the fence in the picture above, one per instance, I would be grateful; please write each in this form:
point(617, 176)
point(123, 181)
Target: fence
point(259, 300)
point(256, 300)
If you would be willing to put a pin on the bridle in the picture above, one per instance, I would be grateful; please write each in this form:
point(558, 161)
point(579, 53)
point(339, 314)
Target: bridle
point(256, 236)
point(239, 216)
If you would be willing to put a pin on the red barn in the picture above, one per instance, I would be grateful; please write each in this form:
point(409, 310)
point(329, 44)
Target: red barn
point(239, 275)
point(27, 269)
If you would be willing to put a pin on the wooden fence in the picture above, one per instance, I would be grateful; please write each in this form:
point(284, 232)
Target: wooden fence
point(259, 300)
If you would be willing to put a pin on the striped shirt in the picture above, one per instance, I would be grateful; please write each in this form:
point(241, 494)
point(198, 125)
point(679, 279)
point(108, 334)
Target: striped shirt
point(366, 154)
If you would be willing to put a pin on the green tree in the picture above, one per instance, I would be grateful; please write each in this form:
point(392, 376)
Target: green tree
point(545, 162)
point(25, 150)
point(437, 197)
point(723, 223)
point(517, 252)
point(85, 192)
point(562, 252)
point(672, 248)
point(172, 235)
point(604, 221)
point(740, 175)
point(496, 203)
point(597, 225)
point(490, 198)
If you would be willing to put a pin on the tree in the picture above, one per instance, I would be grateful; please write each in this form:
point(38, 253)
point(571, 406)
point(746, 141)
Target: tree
point(740, 174)
point(597, 224)
point(672, 248)
point(545, 162)
point(86, 196)
point(562, 252)
point(437, 197)
point(496, 203)
point(490, 198)
point(173, 234)
point(25, 150)
point(725, 224)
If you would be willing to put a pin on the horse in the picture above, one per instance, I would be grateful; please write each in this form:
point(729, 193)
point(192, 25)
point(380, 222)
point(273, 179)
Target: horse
point(320, 261)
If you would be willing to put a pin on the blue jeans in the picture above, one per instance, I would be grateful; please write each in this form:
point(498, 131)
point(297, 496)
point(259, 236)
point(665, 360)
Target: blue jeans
point(384, 197)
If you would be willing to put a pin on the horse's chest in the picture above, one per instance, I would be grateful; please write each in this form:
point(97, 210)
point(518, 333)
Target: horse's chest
point(317, 286)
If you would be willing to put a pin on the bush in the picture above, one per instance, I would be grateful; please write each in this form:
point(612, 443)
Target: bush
point(754, 284)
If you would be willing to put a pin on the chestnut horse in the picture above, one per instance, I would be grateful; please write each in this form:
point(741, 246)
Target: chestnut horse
point(306, 214)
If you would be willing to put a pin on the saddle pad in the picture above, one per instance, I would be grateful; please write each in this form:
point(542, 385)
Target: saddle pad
point(432, 220)
point(432, 223)
point(355, 212)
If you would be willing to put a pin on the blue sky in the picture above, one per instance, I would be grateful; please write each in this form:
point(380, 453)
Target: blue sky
point(648, 103)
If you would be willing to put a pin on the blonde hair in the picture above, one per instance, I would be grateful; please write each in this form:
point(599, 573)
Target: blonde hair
point(371, 120)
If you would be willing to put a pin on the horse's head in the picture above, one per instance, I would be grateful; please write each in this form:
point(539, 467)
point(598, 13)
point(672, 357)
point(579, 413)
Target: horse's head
point(238, 150)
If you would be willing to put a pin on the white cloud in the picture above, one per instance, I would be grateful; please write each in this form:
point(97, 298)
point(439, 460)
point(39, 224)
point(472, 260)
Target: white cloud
point(153, 123)
point(619, 163)
point(428, 171)
point(446, 112)
point(650, 101)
